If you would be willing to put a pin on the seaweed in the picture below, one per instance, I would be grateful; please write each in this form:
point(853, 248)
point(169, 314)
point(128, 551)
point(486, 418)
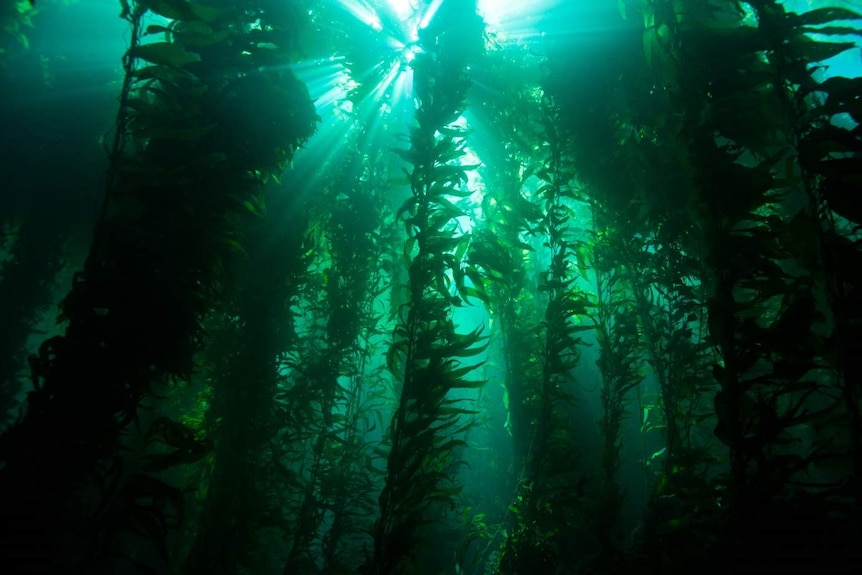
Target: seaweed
point(428, 352)
point(174, 205)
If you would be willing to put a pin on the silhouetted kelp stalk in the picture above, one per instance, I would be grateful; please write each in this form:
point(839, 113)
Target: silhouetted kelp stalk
point(189, 161)
point(26, 288)
point(244, 415)
point(636, 194)
point(671, 316)
point(764, 321)
point(428, 353)
point(567, 303)
point(503, 255)
point(504, 278)
point(333, 388)
point(827, 155)
point(619, 361)
point(500, 250)
point(336, 480)
point(548, 494)
point(362, 233)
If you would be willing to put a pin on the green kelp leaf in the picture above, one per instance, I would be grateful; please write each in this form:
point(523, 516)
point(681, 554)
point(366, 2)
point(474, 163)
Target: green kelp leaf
point(803, 47)
point(832, 30)
point(407, 209)
point(451, 173)
point(447, 150)
point(843, 96)
point(165, 54)
point(827, 15)
point(838, 87)
point(447, 207)
point(184, 10)
point(657, 454)
point(236, 246)
point(477, 290)
point(254, 208)
point(203, 40)
point(449, 408)
point(459, 372)
point(154, 29)
point(441, 244)
point(461, 344)
point(143, 105)
point(468, 384)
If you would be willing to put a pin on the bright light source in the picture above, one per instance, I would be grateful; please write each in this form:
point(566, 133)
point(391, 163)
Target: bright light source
point(514, 18)
point(429, 14)
point(409, 53)
point(363, 12)
point(404, 8)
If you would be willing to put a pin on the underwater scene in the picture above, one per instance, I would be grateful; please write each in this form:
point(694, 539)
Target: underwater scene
point(430, 287)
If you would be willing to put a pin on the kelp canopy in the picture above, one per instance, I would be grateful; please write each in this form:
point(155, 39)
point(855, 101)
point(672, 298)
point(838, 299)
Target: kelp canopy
point(450, 287)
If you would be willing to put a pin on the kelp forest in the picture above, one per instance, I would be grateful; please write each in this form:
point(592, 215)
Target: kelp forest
point(446, 287)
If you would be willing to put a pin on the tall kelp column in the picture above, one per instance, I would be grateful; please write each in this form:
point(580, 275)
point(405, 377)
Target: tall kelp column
point(499, 249)
point(254, 329)
point(204, 121)
point(427, 351)
point(775, 171)
point(591, 76)
point(332, 395)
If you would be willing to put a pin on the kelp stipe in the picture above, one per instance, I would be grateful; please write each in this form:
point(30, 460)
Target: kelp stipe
point(763, 316)
point(428, 353)
point(176, 200)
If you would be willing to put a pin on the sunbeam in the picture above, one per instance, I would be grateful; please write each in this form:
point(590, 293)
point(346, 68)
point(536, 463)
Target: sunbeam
point(404, 8)
point(514, 20)
point(363, 12)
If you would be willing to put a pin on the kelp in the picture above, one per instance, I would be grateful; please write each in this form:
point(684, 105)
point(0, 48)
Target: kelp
point(180, 175)
point(710, 194)
point(565, 316)
point(505, 278)
point(545, 500)
point(619, 362)
point(763, 317)
point(826, 153)
point(428, 353)
point(339, 477)
point(638, 251)
point(256, 328)
point(501, 249)
point(25, 292)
